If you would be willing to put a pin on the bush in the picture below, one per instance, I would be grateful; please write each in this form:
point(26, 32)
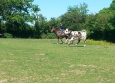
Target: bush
point(48, 36)
point(8, 35)
point(101, 42)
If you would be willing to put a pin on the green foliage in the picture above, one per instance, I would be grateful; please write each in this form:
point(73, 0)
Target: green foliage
point(2, 27)
point(17, 14)
point(54, 22)
point(74, 19)
point(48, 36)
point(8, 35)
point(37, 29)
point(41, 26)
point(112, 5)
point(90, 22)
point(80, 9)
point(106, 17)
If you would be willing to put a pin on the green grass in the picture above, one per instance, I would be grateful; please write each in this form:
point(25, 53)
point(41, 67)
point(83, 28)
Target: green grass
point(44, 61)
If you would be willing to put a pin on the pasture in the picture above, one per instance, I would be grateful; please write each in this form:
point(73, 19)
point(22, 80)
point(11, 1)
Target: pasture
point(44, 61)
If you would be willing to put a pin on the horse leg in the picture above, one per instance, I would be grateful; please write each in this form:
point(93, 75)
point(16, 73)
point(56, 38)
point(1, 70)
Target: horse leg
point(78, 42)
point(71, 40)
point(66, 40)
point(61, 41)
point(58, 41)
point(84, 42)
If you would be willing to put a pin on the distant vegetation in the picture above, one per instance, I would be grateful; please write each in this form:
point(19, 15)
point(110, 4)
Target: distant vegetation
point(20, 19)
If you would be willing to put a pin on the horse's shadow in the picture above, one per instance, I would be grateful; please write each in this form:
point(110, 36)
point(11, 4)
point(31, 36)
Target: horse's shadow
point(58, 43)
point(68, 45)
point(75, 46)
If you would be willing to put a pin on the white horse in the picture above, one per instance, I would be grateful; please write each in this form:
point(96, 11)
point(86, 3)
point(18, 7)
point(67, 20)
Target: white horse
point(80, 35)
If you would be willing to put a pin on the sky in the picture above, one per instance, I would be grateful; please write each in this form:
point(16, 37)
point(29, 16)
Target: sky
point(56, 8)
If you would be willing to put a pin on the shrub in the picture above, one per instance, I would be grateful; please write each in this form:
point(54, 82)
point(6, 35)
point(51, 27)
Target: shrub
point(101, 42)
point(8, 35)
point(48, 36)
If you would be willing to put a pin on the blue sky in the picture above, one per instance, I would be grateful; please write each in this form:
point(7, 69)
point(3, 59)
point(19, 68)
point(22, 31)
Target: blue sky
point(55, 8)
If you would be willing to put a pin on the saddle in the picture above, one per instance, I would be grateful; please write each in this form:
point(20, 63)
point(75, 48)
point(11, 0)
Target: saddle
point(62, 32)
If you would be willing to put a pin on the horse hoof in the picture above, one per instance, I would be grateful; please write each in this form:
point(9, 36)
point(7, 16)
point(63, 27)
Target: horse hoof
point(76, 44)
point(84, 45)
point(69, 44)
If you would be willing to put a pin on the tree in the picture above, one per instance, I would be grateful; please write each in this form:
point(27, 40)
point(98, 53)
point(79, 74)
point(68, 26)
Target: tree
point(74, 18)
point(17, 14)
point(90, 23)
point(112, 5)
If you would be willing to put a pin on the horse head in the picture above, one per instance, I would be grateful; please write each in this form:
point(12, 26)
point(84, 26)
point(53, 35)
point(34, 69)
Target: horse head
point(53, 29)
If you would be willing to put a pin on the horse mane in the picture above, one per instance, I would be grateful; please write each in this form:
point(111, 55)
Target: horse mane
point(56, 28)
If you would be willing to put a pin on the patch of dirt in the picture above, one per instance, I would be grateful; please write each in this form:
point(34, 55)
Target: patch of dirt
point(3, 81)
point(7, 60)
point(41, 54)
point(83, 65)
point(78, 72)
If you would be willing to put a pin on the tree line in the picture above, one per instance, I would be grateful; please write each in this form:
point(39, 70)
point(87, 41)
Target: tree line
point(20, 19)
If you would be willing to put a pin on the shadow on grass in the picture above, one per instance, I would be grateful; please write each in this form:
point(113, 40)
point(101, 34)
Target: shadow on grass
point(58, 43)
point(74, 46)
point(68, 45)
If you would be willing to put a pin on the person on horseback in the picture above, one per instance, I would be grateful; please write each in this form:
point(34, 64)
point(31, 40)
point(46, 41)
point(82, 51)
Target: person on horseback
point(61, 28)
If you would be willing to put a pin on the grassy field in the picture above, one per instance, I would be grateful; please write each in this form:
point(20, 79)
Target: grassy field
point(44, 61)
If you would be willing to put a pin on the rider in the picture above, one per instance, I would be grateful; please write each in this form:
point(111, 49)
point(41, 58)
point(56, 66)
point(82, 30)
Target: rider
point(61, 28)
